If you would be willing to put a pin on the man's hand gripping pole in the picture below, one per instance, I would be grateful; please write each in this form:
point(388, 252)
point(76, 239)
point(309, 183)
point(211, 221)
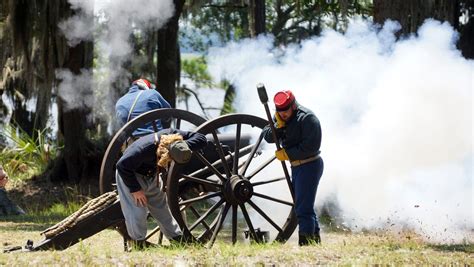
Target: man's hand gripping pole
point(262, 94)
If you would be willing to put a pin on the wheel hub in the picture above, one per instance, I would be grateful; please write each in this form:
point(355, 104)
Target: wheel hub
point(238, 190)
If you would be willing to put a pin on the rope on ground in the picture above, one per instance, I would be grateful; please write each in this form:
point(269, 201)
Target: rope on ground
point(91, 207)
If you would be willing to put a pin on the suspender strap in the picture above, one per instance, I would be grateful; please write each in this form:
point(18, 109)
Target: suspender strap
point(133, 105)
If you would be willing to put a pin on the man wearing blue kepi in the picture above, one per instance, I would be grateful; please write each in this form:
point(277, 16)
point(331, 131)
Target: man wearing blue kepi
point(140, 98)
point(299, 133)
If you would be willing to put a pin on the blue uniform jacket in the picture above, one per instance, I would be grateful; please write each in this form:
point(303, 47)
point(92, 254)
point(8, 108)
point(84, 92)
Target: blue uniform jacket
point(140, 156)
point(301, 136)
point(149, 100)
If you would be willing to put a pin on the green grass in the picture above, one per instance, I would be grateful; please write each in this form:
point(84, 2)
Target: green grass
point(468, 248)
point(39, 219)
point(105, 248)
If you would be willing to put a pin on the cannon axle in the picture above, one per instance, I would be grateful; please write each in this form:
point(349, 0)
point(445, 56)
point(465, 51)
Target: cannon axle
point(238, 190)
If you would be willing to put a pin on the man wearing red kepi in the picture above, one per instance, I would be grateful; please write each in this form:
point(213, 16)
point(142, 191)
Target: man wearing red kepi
point(140, 98)
point(299, 133)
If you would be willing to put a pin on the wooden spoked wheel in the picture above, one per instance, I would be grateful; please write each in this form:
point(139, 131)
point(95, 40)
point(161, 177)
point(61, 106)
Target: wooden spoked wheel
point(242, 191)
point(176, 118)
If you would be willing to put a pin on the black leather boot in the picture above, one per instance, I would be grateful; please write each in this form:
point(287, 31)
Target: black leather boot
point(141, 245)
point(316, 238)
point(304, 239)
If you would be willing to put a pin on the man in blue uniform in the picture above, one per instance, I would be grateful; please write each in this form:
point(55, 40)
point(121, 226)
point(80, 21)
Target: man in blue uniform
point(140, 98)
point(139, 185)
point(299, 133)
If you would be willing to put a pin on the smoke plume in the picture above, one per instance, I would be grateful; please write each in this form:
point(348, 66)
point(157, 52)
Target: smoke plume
point(75, 90)
point(109, 23)
point(396, 118)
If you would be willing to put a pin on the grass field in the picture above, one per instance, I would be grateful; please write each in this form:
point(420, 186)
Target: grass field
point(106, 248)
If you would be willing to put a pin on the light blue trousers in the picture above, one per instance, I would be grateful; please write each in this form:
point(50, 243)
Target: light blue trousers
point(136, 217)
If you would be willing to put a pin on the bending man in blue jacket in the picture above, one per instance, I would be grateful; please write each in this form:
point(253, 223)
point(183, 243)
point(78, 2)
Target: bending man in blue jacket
point(299, 133)
point(139, 185)
point(140, 98)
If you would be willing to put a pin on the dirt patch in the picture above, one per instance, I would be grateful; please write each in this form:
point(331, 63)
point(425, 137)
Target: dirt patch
point(38, 193)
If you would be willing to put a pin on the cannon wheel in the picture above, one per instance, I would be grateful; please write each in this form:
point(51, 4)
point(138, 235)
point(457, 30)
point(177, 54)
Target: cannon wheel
point(175, 118)
point(231, 188)
point(113, 152)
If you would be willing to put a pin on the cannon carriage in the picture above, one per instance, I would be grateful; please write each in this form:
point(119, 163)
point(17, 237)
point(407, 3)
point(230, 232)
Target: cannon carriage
point(234, 188)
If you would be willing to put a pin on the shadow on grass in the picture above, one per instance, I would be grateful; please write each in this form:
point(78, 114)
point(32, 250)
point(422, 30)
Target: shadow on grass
point(37, 219)
point(25, 227)
point(467, 248)
point(36, 222)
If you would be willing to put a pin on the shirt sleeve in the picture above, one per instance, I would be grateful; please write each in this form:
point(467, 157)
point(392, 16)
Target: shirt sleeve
point(120, 114)
point(267, 134)
point(194, 140)
point(127, 165)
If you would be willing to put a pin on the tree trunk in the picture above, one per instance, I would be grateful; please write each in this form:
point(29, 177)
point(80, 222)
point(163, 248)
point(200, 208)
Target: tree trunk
point(466, 41)
point(466, 30)
point(412, 14)
point(257, 17)
point(17, 71)
point(168, 70)
point(5, 46)
point(31, 51)
point(46, 62)
point(73, 122)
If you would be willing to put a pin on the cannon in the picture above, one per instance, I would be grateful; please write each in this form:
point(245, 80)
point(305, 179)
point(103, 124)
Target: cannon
point(231, 189)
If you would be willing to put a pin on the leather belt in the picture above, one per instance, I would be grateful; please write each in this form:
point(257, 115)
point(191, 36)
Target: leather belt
point(296, 163)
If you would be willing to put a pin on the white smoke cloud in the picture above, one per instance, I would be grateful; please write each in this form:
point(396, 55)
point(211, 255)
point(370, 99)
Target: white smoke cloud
point(396, 118)
point(77, 29)
point(75, 90)
point(115, 21)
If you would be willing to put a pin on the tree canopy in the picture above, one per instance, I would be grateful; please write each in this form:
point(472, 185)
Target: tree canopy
point(33, 50)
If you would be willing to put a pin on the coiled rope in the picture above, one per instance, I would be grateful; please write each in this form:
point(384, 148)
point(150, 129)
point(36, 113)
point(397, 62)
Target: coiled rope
point(91, 207)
